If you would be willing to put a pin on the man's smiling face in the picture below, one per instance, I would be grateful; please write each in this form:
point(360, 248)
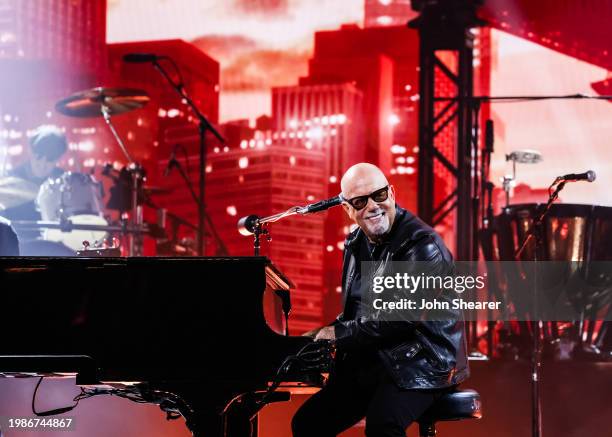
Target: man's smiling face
point(376, 218)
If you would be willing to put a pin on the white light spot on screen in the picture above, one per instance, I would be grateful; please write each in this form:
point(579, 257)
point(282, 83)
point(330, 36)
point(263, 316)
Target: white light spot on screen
point(384, 20)
point(231, 210)
point(86, 146)
point(397, 149)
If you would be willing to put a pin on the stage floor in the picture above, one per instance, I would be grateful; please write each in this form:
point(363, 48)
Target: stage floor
point(576, 401)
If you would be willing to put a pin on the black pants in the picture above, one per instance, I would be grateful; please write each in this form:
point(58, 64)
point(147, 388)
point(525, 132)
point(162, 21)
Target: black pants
point(358, 392)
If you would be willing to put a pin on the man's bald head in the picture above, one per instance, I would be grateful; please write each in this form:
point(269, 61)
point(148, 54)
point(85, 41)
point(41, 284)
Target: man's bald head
point(359, 176)
point(376, 218)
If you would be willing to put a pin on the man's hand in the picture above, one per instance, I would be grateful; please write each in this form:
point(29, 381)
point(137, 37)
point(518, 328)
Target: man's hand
point(326, 333)
point(312, 334)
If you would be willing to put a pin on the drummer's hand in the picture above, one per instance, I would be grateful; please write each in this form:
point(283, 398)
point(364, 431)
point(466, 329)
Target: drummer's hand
point(326, 333)
point(312, 333)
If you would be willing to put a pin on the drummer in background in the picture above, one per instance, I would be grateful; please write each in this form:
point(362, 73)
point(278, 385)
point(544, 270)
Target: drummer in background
point(47, 146)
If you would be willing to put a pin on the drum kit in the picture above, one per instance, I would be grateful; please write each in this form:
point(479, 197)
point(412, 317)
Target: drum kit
point(71, 205)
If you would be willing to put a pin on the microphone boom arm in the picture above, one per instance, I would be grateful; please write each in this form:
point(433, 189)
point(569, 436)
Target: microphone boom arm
point(253, 225)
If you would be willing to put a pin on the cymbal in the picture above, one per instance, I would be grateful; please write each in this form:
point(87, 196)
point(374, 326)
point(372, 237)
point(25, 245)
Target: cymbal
point(15, 191)
point(89, 103)
point(525, 156)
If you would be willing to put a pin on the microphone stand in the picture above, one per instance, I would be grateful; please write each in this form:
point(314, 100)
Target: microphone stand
point(536, 356)
point(221, 248)
point(552, 196)
point(204, 125)
point(254, 225)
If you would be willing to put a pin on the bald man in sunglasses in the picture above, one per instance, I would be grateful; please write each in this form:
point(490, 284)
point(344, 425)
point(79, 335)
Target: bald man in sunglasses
point(389, 372)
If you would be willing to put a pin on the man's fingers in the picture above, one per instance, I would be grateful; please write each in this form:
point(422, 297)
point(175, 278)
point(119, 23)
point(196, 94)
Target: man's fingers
point(327, 333)
point(312, 333)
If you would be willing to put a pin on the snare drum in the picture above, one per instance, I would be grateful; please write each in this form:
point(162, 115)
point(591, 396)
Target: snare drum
point(76, 197)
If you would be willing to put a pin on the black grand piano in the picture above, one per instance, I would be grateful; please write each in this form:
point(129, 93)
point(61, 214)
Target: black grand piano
point(203, 337)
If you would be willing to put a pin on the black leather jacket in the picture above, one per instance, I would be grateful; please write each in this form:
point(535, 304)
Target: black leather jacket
point(417, 355)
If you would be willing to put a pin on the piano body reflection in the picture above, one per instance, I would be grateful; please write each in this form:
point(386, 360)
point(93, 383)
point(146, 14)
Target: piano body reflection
point(189, 334)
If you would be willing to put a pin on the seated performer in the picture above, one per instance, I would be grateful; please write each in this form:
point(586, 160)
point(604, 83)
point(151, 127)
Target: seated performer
point(47, 146)
point(388, 372)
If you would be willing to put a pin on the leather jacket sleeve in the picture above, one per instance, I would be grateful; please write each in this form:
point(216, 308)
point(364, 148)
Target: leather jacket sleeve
point(374, 329)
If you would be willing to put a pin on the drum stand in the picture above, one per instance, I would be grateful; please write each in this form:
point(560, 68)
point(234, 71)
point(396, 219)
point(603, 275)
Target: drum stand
point(137, 174)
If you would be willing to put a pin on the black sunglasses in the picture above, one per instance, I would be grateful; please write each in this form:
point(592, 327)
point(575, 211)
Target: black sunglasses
point(377, 196)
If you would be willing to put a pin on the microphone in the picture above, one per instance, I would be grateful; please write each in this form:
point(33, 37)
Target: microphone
point(171, 164)
point(140, 58)
point(320, 206)
point(247, 225)
point(588, 176)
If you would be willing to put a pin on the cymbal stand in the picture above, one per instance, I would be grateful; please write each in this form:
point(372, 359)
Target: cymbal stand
point(137, 174)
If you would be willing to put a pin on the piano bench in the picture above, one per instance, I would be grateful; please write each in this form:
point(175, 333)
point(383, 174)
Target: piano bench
point(457, 405)
point(83, 366)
